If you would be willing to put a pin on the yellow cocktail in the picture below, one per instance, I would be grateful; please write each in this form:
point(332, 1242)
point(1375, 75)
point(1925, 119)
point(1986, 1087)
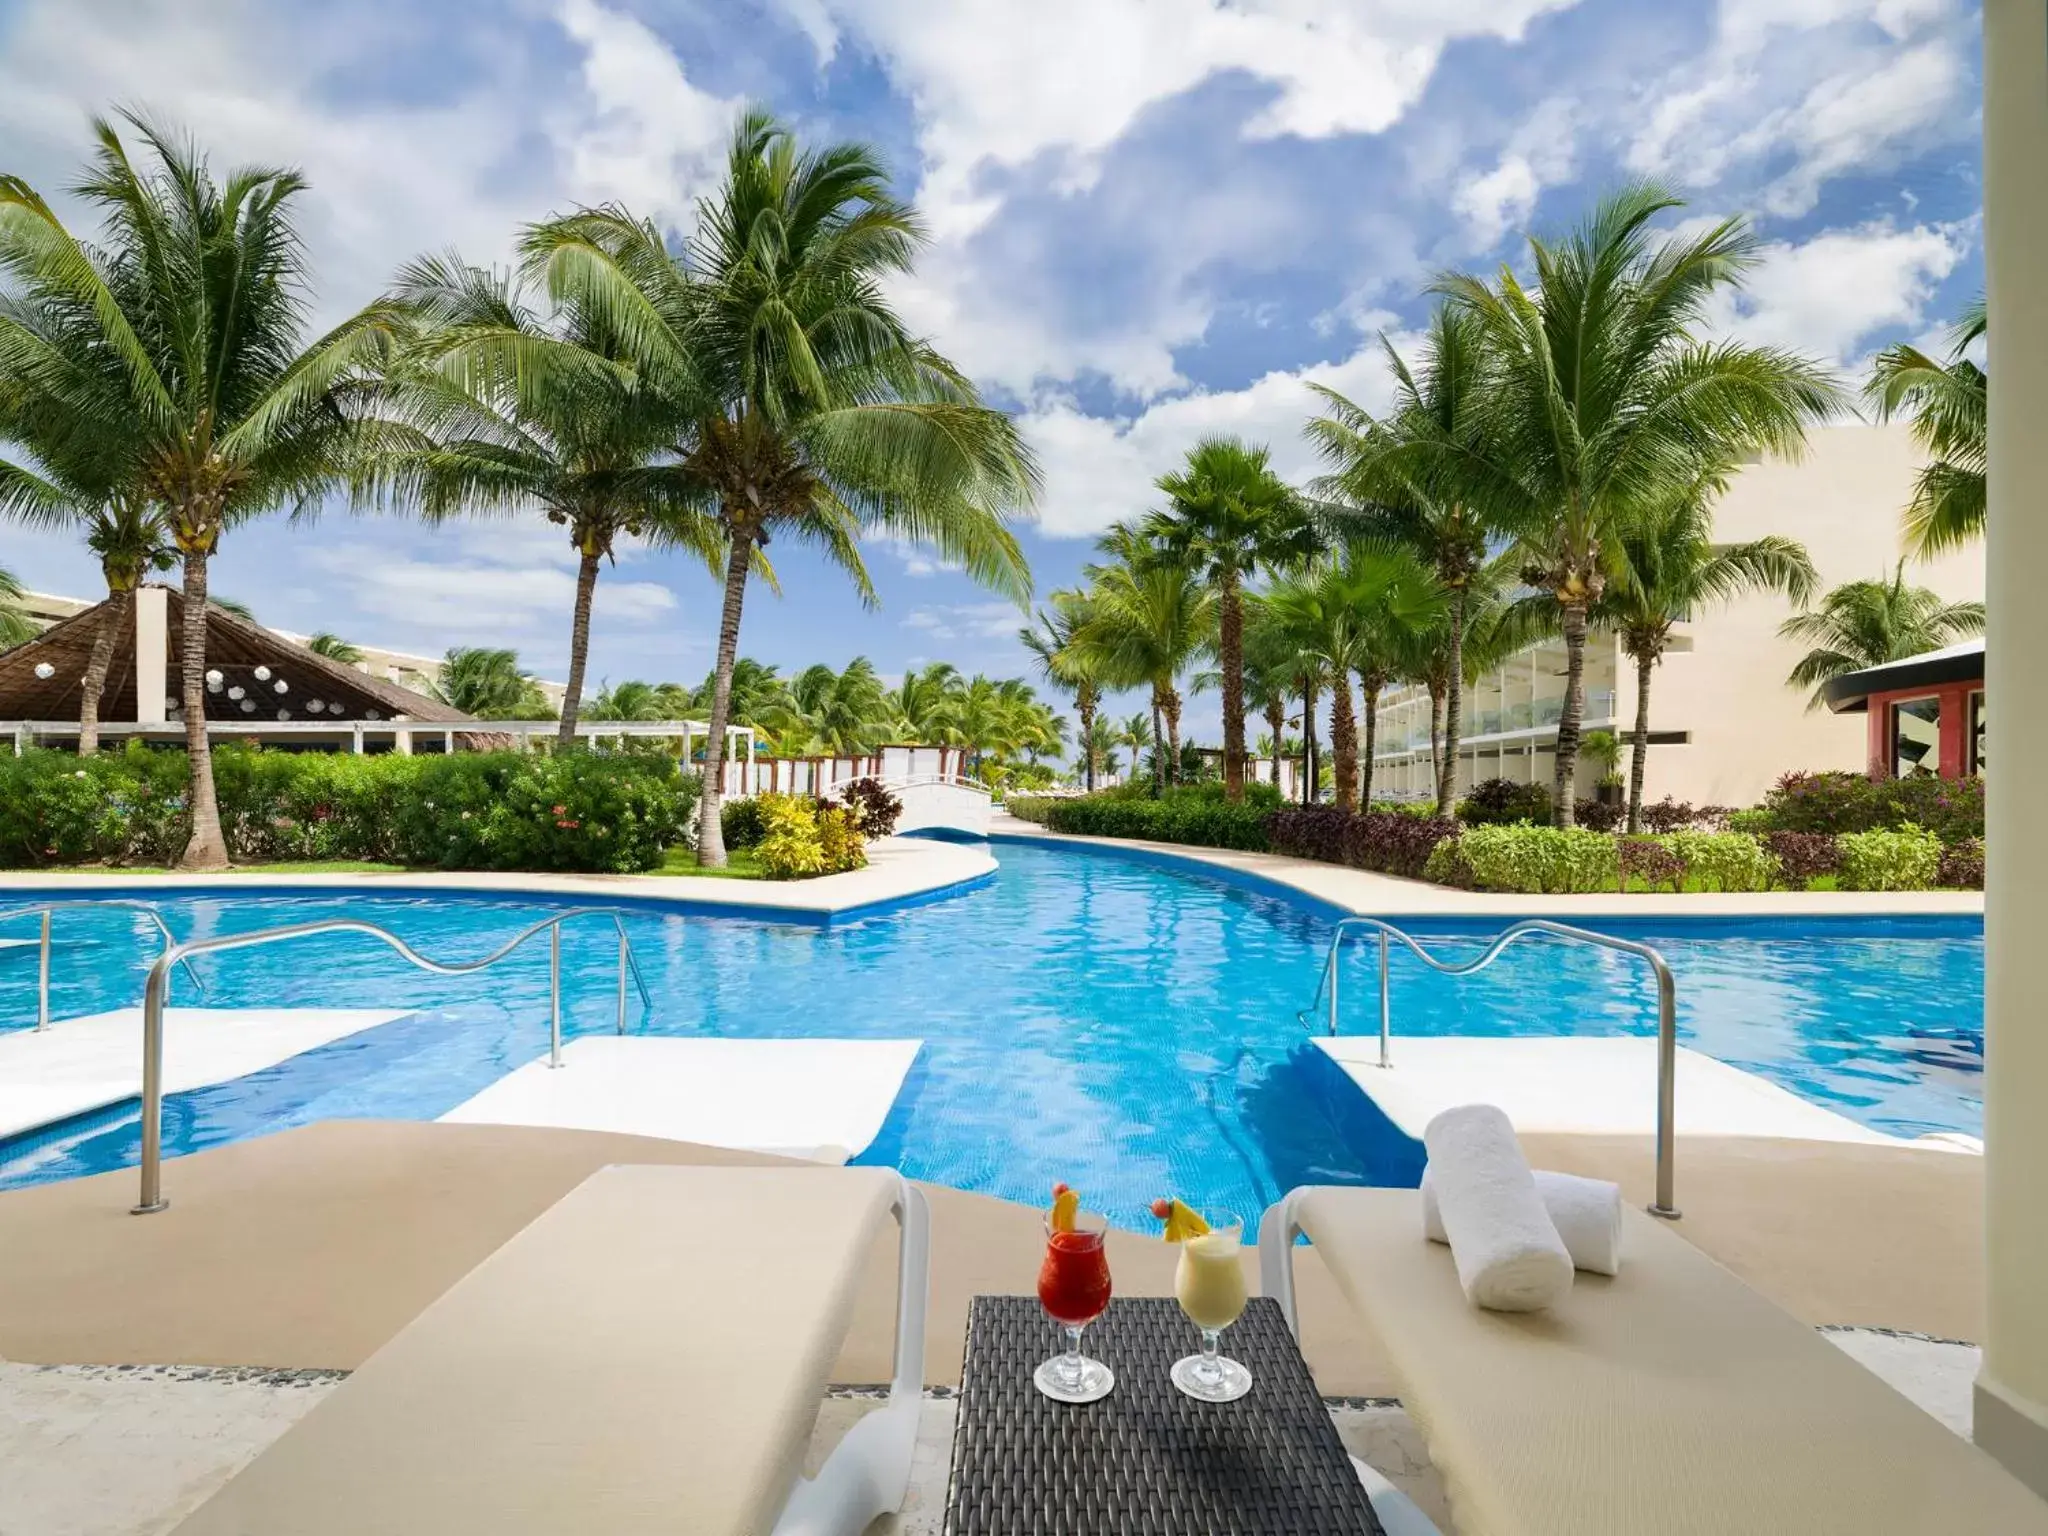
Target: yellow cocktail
point(1209, 1284)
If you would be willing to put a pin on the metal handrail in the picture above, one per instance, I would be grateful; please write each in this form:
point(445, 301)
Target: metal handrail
point(43, 968)
point(157, 991)
point(1667, 1012)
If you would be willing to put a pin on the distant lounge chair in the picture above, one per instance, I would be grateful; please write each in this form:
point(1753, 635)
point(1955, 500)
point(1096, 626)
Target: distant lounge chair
point(1669, 1400)
point(648, 1356)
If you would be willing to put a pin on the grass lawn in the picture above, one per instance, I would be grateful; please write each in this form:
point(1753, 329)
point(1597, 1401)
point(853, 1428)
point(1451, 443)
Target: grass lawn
point(740, 864)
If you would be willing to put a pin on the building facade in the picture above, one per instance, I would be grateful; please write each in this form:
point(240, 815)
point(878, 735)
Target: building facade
point(1724, 723)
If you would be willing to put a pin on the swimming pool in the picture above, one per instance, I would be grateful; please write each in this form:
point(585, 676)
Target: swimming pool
point(1119, 1023)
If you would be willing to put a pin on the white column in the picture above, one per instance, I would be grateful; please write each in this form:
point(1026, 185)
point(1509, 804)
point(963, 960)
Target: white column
point(2012, 1387)
point(152, 653)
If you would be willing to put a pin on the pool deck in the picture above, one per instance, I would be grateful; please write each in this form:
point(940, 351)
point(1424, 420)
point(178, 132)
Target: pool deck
point(310, 1248)
point(900, 871)
point(1368, 894)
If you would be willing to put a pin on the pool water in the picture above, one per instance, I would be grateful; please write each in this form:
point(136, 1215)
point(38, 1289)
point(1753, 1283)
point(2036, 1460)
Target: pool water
point(1123, 1025)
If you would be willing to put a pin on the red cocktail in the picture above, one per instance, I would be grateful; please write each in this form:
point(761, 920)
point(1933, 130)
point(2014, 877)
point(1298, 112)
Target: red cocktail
point(1073, 1287)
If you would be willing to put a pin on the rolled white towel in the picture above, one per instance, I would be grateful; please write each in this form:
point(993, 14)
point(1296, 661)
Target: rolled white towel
point(1586, 1213)
point(1506, 1248)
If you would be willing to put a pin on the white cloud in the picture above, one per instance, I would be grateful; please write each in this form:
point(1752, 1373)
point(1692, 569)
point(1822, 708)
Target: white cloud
point(390, 178)
point(1830, 86)
point(474, 600)
point(996, 83)
point(1540, 153)
point(1828, 295)
point(966, 621)
point(1099, 469)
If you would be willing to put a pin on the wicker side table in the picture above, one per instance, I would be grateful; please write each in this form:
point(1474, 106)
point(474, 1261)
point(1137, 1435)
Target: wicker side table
point(1145, 1459)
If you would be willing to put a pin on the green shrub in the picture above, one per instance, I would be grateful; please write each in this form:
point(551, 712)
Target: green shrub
point(1724, 861)
point(1755, 819)
point(1908, 859)
point(580, 811)
point(790, 847)
point(1034, 808)
point(739, 822)
point(1198, 816)
point(1539, 860)
point(1962, 865)
point(1834, 803)
point(1446, 864)
point(841, 843)
point(1502, 802)
point(124, 807)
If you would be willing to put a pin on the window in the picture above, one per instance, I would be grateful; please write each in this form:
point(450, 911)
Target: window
point(1974, 762)
point(1916, 738)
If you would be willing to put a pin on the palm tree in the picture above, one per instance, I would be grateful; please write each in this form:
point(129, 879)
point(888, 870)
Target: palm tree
point(169, 362)
point(1670, 569)
point(1098, 743)
point(1948, 404)
point(1271, 679)
point(810, 407)
point(16, 628)
point(1050, 639)
point(1144, 624)
point(499, 409)
point(1316, 612)
point(924, 700)
point(1600, 401)
point(849, 712)
point(1138, 732)
point(1229, 516)
point(1421, 498)
point(1402, 607)
point(636, 700)
point(488, 684)
point(334, 648)
point(1868, 623)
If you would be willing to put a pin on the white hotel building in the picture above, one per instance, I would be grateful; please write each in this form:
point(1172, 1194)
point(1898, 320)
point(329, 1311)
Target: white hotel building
point(1724, 723)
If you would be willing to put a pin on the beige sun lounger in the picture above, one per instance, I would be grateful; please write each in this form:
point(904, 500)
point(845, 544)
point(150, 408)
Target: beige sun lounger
point(647, 1356)
point(1669, 1400)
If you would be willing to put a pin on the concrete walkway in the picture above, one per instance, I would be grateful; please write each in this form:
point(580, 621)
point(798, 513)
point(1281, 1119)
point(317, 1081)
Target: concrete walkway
point(1360, 891)
point(899, 869)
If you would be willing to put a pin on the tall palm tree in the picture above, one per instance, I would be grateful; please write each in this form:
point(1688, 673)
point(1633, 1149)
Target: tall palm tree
point(1601, 401)
point(1317, 612)
point(1271, 680)
point(1138, 732)
point(499, 408)
point(811, 408)
point(169, 361)
point(850, 713)
point(334, 648)
point(487, 683)
point(1229, 515)
point(1402, 606)
point(1098, 744)
point(1422, 499)
point(1050, 640)
point(1670, 570)
point(1144, 625)
point(16, 628)
point(1868, 623)
point(924, 700)
point(636, 700)
point(1948, 403)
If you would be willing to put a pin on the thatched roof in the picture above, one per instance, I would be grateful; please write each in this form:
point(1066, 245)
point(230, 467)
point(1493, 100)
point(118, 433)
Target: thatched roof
point(234, 647)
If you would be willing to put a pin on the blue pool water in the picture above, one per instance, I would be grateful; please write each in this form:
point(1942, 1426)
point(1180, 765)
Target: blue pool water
point(1128, 1027)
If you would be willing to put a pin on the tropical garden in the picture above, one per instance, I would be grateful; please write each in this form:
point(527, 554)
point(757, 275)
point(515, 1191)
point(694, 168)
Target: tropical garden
point(1545, 470)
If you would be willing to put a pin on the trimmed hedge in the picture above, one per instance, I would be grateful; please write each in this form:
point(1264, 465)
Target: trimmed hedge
point(1547, 860)
point(1834, 803)
point(1502, 802)
point(1388, 842)
point(1908, 859)
point(580, 811)
point(1199, 816)
point(1032, 808)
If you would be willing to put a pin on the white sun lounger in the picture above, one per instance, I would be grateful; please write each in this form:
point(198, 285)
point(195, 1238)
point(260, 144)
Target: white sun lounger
point(1669, 1400)
point(646, 1357)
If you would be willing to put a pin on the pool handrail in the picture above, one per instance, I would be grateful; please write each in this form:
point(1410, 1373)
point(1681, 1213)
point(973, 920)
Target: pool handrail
point(43, 957)
point(156, 991)
point(1667, 1012)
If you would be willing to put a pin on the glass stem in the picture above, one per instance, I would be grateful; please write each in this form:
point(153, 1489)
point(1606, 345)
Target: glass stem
point(1212, 1340)
point(1070, 1366)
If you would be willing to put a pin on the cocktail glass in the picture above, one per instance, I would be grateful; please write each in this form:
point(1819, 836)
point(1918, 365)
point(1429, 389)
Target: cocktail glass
point(1209, 1284)
point(1073, 1287)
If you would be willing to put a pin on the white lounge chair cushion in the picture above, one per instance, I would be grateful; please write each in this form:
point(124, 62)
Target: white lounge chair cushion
point(1671, 1399)
point(647, 1356)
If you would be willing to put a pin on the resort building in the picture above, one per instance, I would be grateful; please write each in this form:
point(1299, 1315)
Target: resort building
point(1724, 724)
point(1925, 714)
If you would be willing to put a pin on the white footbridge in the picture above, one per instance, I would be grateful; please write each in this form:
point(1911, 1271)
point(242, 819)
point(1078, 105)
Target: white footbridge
point(943, 802)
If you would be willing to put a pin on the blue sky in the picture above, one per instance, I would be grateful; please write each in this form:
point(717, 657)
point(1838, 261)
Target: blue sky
point(1151, 219)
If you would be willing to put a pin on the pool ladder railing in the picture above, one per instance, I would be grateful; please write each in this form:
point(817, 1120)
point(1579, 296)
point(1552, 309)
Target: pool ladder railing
point(1667, 1010)
point(43, 952)
point(156, 992)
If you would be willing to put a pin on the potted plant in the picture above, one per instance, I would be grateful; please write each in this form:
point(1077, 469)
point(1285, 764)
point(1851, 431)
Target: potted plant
point(1601, 751)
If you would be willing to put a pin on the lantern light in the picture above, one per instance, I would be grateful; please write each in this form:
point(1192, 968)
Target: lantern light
point(280, 685)
point(235, 693)
point(284, 714)
point(248, 706)
point(263, 674)
point(213, 677)
point(45, 671)
point(369, 714)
